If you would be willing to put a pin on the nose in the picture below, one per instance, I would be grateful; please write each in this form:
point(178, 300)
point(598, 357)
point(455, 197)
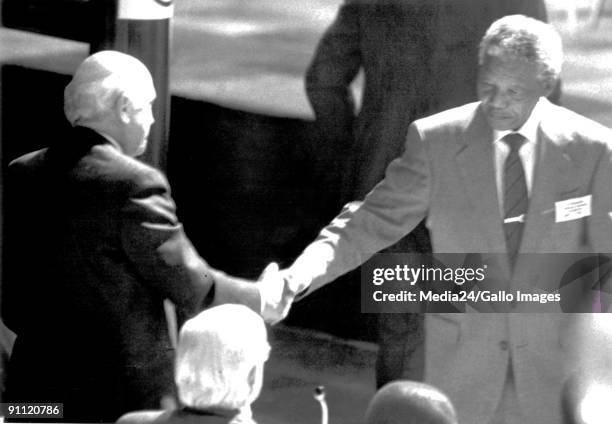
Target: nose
point(497, 99)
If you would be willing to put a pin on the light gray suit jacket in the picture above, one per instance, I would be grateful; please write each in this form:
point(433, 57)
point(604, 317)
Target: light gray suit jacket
point(446, 174)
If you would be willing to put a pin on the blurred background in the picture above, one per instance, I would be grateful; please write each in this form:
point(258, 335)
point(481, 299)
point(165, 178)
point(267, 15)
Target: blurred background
point(240, 146)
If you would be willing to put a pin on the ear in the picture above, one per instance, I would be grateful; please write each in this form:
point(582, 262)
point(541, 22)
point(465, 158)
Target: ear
point(252, 377)
point(123, 108)
point(548, 86)
point(255, 381)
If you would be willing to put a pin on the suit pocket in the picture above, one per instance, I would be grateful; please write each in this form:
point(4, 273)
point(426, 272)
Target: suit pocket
point(443, 329)
point(567, 232)
point(442, 337)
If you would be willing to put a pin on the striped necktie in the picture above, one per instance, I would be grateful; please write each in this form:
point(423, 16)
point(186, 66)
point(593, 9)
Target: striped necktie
point(515, 195)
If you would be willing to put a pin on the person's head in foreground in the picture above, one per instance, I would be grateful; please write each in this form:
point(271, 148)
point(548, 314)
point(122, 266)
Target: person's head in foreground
point(218, 370)
point(220, 360)
point(586, 398)
point(112, 93)
point(410, 402)
point(519, 61)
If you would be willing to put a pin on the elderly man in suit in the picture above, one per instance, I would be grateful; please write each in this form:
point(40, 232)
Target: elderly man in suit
point(492, 177)
point(95, 248)
point(417, 58)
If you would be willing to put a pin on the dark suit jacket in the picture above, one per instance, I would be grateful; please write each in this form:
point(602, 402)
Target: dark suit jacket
point(418, 57)
point(94, 247)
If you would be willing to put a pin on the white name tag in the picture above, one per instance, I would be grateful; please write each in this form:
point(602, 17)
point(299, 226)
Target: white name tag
point(570, 209)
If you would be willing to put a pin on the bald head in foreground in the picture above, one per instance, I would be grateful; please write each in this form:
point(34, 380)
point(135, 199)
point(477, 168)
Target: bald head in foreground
point(586, 397)
point(95, 247)
point(410, 402)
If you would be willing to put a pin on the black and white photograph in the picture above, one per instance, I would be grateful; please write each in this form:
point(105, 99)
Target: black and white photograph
point(306, 211)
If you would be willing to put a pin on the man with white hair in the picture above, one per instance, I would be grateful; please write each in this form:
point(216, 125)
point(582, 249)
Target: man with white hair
point(219, 369)
point(509, 174)
point(95, 248)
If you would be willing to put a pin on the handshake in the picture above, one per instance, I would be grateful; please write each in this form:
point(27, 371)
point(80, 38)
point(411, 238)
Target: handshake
point(277, 291)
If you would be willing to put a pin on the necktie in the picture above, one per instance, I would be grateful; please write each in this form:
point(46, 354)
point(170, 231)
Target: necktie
point(515, 195)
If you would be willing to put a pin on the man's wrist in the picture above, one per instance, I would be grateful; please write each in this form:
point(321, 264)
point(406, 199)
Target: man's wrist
point(297, 286)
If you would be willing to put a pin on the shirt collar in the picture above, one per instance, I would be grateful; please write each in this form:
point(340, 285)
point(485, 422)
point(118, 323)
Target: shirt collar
point(529, 130)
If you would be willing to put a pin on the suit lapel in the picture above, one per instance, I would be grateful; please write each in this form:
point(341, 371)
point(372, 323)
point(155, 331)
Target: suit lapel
point(553, 177)
point(475, 161)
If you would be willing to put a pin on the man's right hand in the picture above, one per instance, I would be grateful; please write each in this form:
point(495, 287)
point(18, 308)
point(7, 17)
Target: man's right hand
point(276, 294)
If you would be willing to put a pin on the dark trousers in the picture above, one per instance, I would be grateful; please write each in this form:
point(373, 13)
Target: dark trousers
point(401, 335)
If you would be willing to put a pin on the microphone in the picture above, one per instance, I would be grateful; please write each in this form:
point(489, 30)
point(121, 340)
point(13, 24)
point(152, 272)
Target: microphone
point(319, 395)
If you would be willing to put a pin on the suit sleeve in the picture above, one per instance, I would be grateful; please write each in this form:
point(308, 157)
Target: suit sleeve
point(335, 64)
point(600, 224)
point(156, 244)
point(390, 211)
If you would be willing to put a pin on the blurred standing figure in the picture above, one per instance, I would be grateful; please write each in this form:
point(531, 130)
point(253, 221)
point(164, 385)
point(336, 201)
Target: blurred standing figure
point(418, 57)
point(219, 369)
point(596, 12)
point(95, 247)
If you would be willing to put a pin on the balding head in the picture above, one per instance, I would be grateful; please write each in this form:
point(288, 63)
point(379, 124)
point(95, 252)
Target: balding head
point(585, 398)
point(410, 402)
point(107, 92)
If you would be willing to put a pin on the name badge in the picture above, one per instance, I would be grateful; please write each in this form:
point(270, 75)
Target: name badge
point(570, 209)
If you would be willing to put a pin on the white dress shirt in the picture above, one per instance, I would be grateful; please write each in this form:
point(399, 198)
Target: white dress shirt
point(527, 153)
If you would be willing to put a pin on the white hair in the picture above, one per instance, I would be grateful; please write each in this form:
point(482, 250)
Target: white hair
point(99, 81)
point(526, 38)
point(220, 357)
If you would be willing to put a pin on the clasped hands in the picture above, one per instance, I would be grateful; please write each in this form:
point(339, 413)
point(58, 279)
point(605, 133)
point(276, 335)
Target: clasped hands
point(277, 290)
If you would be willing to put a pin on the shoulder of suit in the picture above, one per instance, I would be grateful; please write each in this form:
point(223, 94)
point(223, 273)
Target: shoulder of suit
point(102, 159)
point(569, 127)
point(133, 173)
point(145, 417)
point(457, 118)
point(28, 161)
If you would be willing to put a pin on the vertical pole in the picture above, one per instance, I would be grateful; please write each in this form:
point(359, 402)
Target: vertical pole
point(142, 29)
point(2, 102)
